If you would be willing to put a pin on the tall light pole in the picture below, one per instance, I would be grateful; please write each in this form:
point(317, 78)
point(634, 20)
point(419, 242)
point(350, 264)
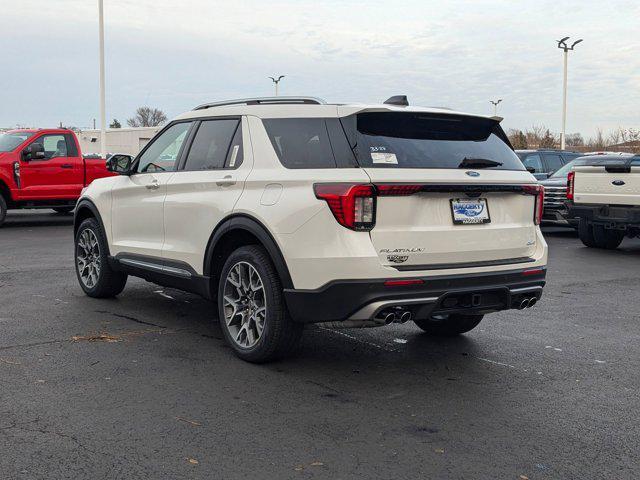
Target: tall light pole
point(103, 116)
point(495, 106)
point(277, 81)
point(562, 44)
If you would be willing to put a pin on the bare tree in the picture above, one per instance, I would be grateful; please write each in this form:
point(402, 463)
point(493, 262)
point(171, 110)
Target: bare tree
point(517, 139)
point(147, 117)
point(574, 140)
point(598, 142)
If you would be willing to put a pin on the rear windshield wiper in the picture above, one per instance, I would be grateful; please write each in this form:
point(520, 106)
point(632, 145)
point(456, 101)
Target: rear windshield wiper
point(478, 163)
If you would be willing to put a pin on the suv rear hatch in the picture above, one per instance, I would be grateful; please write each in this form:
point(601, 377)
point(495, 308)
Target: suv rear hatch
point(451, 192)
point(608, 182)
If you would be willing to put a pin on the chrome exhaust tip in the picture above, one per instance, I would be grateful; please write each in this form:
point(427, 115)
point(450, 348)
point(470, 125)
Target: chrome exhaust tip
point(524, 304)
point(532, 302)
point(389, 317)
point(405, 317)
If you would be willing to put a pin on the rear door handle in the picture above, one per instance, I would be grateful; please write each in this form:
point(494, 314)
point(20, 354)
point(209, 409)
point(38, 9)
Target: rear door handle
point(153, 185)
point(226, 181)
point(66, 165)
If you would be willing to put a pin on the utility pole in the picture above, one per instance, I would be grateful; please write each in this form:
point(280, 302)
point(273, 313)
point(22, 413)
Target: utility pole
point(495, 106)
point(276, 82)
point(562, 44)
point(103, 116)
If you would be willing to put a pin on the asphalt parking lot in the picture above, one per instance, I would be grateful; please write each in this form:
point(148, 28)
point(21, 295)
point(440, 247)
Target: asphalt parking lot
point(144, 387)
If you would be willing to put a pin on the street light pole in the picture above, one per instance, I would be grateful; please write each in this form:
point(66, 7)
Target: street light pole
point(495, 106)
point(562, 44)
point(276, 81)
point(103, 116)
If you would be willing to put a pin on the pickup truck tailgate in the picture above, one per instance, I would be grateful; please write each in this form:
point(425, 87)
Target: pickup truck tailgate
point(596, 185)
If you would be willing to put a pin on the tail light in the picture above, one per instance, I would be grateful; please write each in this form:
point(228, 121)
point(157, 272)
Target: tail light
point(538, 191)
point(571, 185)
point(353, 205)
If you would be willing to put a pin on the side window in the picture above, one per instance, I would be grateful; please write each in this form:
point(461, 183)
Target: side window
point(72, 149)
point(162, 153)
point(533, 161)
point(210, 147)
point(301, 142)
point(54, 146)
point(554, 162)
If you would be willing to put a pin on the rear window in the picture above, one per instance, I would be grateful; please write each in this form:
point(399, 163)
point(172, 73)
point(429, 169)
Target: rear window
point(425, 140)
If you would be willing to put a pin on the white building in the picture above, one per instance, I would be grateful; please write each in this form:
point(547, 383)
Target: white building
point(119, 140)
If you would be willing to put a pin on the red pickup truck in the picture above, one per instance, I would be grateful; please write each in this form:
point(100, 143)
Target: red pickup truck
point(44, 169)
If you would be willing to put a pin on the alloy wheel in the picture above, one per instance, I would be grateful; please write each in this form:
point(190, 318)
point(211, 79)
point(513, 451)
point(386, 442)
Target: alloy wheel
point(245, 307)
point(88, 258)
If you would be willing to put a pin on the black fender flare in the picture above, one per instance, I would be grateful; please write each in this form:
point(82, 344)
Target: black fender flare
point(256, 228)
point(83, 205)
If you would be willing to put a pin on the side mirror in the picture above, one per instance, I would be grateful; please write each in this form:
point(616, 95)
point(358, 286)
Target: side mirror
point(531, 170)
point(35, 151)
point(120, 163)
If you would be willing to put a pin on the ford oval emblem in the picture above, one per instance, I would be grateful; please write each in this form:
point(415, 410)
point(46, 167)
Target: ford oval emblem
point(618, 183)
point(471, 173)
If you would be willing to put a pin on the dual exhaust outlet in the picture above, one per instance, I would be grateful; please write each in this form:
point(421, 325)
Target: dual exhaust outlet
point(527, 303)
point(394, 315)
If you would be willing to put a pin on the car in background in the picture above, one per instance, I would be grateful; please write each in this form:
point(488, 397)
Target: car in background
point(604, 195)
point(542, 163)
point(555, 194)
point(44, 168)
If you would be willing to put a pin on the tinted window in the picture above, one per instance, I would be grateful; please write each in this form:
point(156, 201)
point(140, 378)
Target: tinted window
point(426, 140)
point(301, 142)
point(162, 153)
point(10, 140)
point(72, 150)
point(211, 145)
point(533, 161)
point(554, 162)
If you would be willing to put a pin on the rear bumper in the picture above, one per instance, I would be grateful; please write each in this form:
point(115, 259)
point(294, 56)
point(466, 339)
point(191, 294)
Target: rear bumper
point(559, 216)
point(611, 216)
point(363, 299)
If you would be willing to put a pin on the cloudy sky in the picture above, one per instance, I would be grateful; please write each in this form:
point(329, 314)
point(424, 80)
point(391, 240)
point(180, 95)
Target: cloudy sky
point(176, 54)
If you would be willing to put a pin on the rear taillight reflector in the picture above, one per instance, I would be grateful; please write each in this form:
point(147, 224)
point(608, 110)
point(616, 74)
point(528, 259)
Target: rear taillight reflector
point(571, 177)
point(538, 191)
point(403, 283)
point(352, 205)
point(533, 271)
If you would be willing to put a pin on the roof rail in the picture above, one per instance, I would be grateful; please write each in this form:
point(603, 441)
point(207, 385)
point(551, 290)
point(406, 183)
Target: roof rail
point(264, 101)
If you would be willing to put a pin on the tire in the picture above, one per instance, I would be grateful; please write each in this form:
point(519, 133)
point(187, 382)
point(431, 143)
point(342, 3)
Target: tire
point(585, 233)
point(605, 238)
point(269, 333)
point(63, 210)
point(97, 279)
point(3, 209)
point(450, 325)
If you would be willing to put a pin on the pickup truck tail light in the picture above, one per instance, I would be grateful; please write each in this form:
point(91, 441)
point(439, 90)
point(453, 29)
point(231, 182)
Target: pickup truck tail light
point(570, 185)
point(538, 191)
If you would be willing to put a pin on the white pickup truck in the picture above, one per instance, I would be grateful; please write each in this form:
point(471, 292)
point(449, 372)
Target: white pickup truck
point(604, 195)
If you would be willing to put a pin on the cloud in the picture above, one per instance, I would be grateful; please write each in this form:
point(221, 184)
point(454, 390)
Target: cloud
point(174, 55)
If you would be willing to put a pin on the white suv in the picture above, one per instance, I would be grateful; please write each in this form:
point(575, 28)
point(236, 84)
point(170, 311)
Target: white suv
point(289, 211)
